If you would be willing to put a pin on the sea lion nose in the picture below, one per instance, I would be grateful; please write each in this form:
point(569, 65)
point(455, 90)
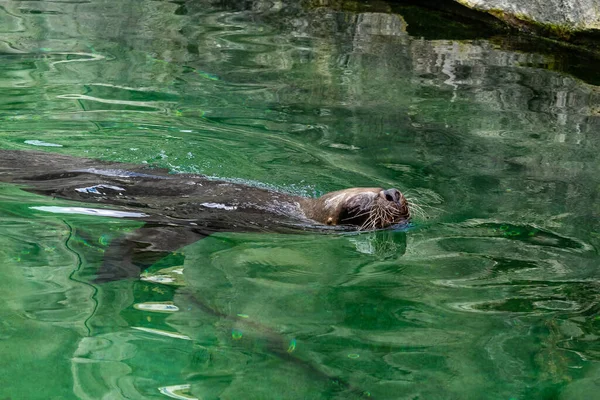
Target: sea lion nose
point(391, 195)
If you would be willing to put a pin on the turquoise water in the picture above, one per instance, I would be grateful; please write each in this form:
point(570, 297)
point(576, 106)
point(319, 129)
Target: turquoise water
point(493, 293)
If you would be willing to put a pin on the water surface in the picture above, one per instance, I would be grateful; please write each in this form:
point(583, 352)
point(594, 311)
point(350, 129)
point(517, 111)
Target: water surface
point(493, 292)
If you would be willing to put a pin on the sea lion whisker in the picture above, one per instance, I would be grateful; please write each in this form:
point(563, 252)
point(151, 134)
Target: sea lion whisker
point(368, 223)
point(392, 210)
point(391, 216)
point(411, 199)
point(382, 217)
point(392, 213)
point(416, 207)
point(421, 205)
point(423, 193)
point(371, 220)
point(363, 226)
point(373, 224)
point(419, 213)
point(386, 216)
point(416, 210)
point(397, 213)
point(357, 215)
point(414, 204)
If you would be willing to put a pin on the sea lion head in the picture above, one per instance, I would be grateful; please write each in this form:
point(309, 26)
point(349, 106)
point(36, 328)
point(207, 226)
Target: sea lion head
point(365, 208)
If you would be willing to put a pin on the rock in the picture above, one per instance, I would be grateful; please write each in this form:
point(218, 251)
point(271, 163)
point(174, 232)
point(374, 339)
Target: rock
point(556, 17)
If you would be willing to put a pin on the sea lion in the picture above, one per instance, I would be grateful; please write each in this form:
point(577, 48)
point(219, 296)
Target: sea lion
point(181, 208)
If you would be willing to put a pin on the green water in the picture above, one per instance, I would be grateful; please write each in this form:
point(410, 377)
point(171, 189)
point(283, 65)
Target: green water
point(493, 293)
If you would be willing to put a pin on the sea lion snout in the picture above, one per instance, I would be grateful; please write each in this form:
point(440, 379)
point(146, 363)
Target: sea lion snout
point(366, 208)
point(392, 195)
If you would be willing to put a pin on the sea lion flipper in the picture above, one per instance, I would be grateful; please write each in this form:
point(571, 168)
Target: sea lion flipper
point(128, 256)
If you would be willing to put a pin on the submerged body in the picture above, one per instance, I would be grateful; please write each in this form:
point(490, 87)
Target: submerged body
point(180, 208)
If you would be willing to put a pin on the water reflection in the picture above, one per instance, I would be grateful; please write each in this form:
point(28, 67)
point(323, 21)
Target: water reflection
point(295, 287)
point(90, 211)
point(492, 291)
point(359, 323)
